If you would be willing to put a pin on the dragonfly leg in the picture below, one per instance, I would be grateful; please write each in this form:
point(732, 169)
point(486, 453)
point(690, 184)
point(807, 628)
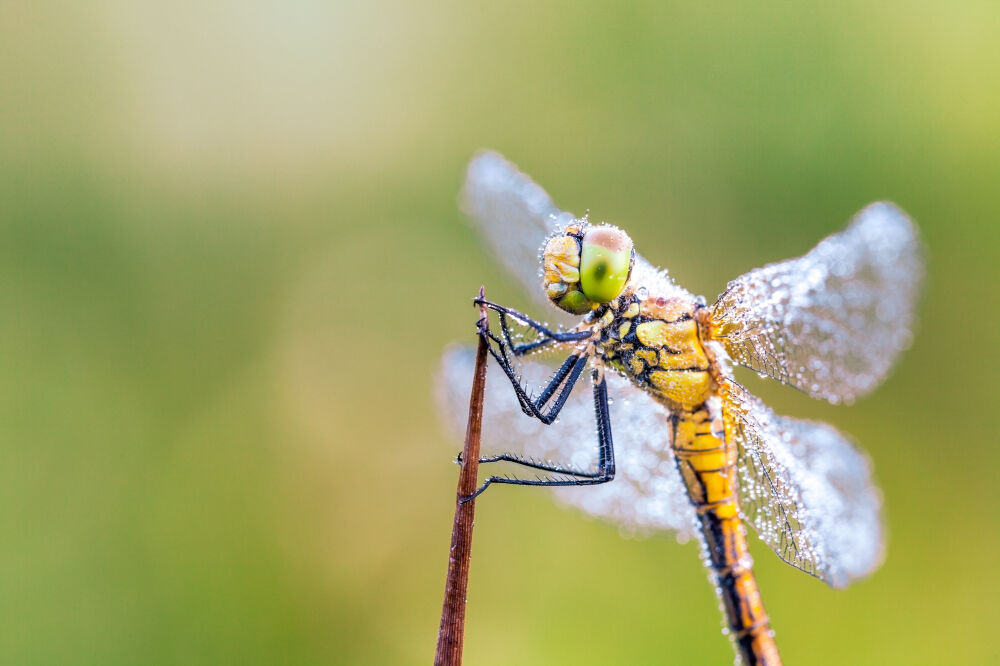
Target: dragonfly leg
point(559, 386)
point(534, 464)
point(548, 336)
point(605, 455)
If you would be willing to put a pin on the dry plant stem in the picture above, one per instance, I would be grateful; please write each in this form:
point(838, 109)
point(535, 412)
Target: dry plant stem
point(451, 634)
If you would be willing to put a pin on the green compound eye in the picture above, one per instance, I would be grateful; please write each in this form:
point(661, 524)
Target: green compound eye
point(575, 302)
point(605, 261)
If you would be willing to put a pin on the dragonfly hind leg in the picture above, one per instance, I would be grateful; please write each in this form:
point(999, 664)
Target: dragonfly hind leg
point(605, 455)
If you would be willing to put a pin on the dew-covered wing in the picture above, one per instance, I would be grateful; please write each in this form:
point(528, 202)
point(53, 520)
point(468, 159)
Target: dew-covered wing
point(514, 214)
point(655, 281)
point(806, 490)
point(831, 322)
point(646, 495)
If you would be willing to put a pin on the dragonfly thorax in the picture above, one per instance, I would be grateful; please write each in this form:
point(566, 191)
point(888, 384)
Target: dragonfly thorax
point(657, 343)
point(586, 266)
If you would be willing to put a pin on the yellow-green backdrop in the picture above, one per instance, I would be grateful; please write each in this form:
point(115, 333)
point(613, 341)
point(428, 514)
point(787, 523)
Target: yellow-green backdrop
point(230, 256)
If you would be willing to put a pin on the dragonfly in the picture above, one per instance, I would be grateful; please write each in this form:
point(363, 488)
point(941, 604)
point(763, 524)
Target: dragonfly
point(693, 451)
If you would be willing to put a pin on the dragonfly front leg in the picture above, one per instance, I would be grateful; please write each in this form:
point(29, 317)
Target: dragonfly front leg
point(548, 336)
point(605, 453)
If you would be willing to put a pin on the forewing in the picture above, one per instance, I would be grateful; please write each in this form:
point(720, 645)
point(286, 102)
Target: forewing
point(831, 322)
point(806, 490)
point(655, 281)
point(514, 215)
point(646, 495)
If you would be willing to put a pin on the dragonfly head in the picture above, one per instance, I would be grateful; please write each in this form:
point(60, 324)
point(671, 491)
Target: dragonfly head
point(586, 266)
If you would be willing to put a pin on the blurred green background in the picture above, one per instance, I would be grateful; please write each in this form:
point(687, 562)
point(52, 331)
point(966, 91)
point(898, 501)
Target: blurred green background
point(230, 257)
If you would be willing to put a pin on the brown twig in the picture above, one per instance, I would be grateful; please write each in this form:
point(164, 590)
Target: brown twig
point(451, 634)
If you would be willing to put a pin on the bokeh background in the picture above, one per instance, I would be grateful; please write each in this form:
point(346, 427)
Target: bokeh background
point(230, 257)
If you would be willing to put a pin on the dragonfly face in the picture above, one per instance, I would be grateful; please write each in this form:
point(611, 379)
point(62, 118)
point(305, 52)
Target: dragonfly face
point(586, 265)
point(694, 452)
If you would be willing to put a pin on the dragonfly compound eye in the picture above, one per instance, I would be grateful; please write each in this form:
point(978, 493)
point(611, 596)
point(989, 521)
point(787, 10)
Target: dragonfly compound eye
point(605, 263)
point(561, 270)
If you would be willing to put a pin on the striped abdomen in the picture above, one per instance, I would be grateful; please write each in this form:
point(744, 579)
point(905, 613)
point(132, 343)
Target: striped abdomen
point(708, 468)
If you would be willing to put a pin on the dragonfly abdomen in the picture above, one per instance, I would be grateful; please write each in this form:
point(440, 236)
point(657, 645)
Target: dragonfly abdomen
point(708, 468)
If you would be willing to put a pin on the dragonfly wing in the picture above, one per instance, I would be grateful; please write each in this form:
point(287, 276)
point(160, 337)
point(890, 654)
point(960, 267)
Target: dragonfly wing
point(831, 322)
point(514, 214)
point(655, 280)
point(806, 490)
point(647, 494)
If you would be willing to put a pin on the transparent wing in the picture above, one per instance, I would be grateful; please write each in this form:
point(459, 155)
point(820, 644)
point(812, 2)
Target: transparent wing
point(656, 281)
point(831, 322)
point(647, 494)
point(806, 490)
point(516, 216)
